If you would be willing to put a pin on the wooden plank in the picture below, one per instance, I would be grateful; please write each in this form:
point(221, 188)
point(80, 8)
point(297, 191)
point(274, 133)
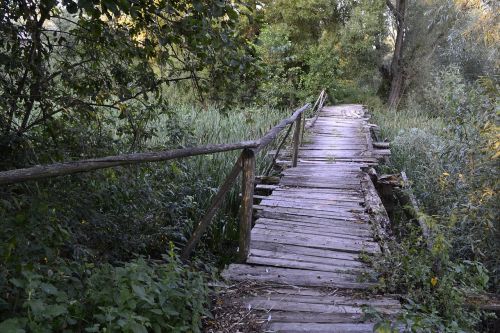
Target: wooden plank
point(314, 241)
point(282, 305)
point(271, 228)
point(311, 317)
point(286, 263)
point(346, 202)
point(319, 206)
point(352, 262)
point(298, 277)
point(355, 192)
point(346, 216)
point(318, 297)
point(339, 229)
point(301, 250)
point(311, 219)
point(321, 327)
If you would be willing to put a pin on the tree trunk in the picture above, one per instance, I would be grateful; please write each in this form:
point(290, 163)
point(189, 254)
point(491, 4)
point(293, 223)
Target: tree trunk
point(397, 68)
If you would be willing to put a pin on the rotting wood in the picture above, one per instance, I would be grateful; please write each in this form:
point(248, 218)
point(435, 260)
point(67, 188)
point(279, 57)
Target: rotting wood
point(382, 145)
point(290, 276)
point(379, 215)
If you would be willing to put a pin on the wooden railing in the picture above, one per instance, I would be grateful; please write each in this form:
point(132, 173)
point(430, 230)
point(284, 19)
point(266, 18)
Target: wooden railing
point(245, 164)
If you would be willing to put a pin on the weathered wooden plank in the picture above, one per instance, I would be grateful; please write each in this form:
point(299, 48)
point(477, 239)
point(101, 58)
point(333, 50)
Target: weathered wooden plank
point(298, 277)
point(273, 227)
point(346, 203)
point(319, 206)
point(306, 193)
point(346, 216)
point(301, 250)
point(354, 192)
point(318, 297)
point(342, 228)
point(311, 317)
point(321, 327)
point(353, 263)
point(311, 219)
point(286, 263)
point(313, 241)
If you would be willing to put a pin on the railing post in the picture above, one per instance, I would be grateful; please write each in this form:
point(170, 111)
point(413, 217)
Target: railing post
point(296, 140)
point(248, 181)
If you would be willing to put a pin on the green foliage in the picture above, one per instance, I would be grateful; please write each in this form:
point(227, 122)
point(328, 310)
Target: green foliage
point(282, 85)
point(446, 139)
point(310, 45)
point(138, 296)
point(73, 232)
point(92, 62)
point(435, 287)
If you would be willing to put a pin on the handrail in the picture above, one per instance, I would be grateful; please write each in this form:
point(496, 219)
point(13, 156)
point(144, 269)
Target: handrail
point(67, 168)
point(245, 164)
point(320, 106)
point(273, 132)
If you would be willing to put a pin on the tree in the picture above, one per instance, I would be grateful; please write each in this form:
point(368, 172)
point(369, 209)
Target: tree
point(68, 61)
point(396, 72)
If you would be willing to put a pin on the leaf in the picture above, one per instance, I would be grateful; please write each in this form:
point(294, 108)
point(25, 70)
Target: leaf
point(12, 325)
point(37, 306)
point(55, 310)
point(48, 288)
point(139, 291)
point(138, 328)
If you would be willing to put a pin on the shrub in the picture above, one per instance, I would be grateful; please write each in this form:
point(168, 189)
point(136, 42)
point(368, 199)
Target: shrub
point(137, 296)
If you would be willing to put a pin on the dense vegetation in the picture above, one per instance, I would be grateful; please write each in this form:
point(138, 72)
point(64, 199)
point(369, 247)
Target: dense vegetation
point(93, 78)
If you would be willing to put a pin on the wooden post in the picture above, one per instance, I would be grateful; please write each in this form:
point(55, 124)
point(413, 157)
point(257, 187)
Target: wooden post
point(296, 140)
point(248, 181)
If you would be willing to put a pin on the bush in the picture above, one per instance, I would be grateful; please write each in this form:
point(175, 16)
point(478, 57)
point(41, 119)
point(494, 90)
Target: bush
point(446, 139)
point(137, 296)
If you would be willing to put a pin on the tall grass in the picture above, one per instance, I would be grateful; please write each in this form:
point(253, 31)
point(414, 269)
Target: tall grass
point(211, 126)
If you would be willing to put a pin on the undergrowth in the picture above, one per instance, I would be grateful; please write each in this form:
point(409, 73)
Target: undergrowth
point(445, 137)
point(88, 252)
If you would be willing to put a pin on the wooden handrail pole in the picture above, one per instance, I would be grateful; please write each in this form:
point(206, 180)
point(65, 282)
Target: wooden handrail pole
point(296, 140)
point(214, 206)
point(248, 163)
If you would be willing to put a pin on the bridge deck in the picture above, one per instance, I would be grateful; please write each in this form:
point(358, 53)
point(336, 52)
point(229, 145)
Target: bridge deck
point(313, 231)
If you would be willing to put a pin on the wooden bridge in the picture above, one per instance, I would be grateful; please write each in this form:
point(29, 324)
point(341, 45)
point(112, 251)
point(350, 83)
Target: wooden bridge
point(313, 233)
point(304, 239)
